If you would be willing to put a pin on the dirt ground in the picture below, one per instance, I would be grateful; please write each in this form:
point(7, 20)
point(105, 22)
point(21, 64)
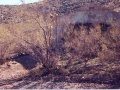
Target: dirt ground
point(49, 82)
point(18, 80)
point(16, 76)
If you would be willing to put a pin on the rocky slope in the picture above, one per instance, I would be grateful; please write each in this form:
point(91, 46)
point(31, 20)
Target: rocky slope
point(65, 6)
point(17, 13)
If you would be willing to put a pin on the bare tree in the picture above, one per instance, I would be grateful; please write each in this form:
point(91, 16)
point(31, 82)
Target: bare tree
point(41, 49)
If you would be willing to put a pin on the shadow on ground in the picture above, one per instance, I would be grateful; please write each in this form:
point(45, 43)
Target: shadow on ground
point(27, 61)
point(51, 81)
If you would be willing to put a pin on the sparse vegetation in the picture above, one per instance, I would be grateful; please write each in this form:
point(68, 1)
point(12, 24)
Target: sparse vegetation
point(84, 52)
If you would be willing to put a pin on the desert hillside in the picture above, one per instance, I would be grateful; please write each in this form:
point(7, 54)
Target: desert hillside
point(59, 7)
point(60, 44)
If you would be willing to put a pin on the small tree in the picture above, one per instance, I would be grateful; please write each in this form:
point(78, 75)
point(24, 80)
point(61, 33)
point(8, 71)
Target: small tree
point(39, 42)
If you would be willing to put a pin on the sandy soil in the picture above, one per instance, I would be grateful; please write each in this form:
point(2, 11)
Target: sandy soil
point(14, 70)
